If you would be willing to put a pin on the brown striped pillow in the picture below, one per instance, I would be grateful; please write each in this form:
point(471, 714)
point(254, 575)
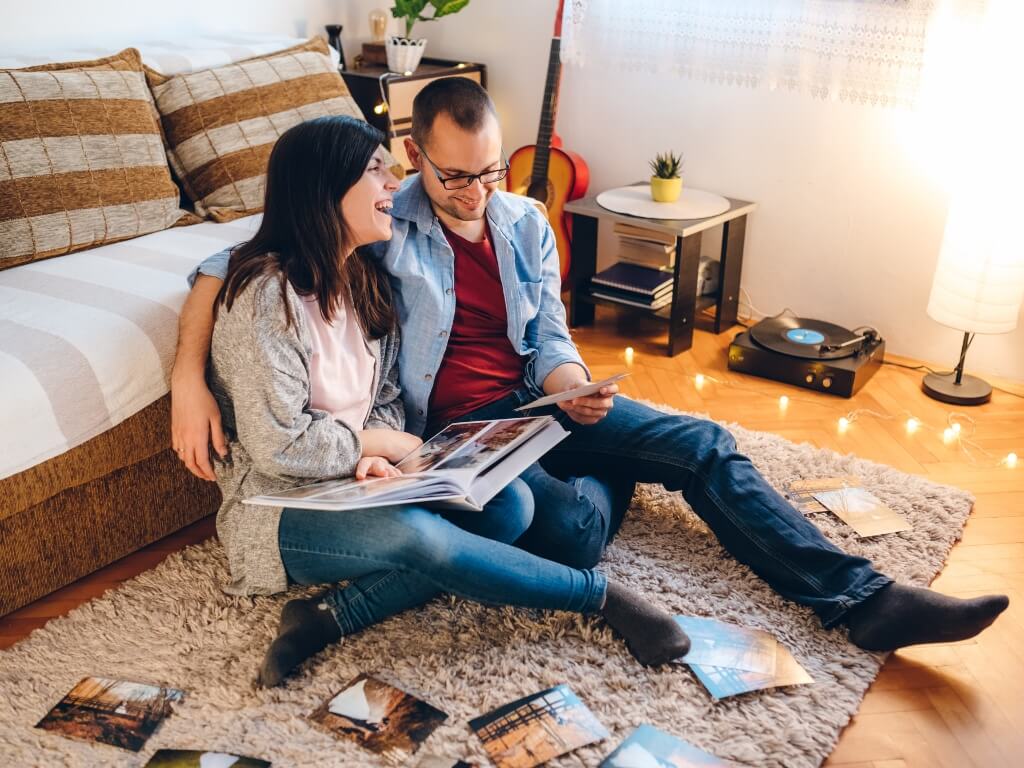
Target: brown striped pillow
point(81, 158)
point(220, 124)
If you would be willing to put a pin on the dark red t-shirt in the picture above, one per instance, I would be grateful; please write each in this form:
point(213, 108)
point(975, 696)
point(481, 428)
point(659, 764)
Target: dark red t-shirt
point(480, 365)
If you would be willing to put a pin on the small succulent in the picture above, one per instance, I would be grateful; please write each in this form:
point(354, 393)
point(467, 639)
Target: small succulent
point(667, 166)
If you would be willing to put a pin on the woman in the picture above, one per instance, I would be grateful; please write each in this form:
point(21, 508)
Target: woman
point(303, 368)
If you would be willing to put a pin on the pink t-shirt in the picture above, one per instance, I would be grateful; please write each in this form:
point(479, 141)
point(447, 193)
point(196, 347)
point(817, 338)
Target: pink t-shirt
point(342, 366)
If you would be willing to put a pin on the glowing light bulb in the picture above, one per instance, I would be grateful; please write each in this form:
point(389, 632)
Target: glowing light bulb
point(783, 403)
point(698, 380)
point(380, 109)
point(956, 427)
point(844, 424)
point(948, 434)
point(629, 355)
point(1011, 460)
point(912, 425)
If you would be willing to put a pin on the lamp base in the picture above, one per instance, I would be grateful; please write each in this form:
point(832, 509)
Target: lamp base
point(970, 391)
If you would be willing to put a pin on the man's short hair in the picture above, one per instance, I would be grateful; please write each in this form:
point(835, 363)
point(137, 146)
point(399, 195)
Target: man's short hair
point(462, 99)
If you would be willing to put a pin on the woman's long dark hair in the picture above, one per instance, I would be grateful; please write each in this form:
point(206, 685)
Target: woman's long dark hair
point(303, 234)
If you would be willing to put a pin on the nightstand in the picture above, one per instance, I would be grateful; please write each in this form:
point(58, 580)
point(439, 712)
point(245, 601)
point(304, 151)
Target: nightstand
point(385, 97)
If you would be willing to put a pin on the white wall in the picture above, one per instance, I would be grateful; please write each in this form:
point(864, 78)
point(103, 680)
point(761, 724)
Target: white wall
point(850, 222)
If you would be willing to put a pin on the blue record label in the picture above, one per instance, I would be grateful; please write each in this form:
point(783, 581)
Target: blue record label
point(804, 336)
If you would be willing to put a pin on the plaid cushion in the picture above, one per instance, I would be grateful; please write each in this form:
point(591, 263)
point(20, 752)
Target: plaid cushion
point(81, 159)
point(220, 124)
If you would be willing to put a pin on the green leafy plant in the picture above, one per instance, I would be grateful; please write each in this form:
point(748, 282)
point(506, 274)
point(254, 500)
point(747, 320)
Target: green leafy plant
point(412, 11)
point(667, 166)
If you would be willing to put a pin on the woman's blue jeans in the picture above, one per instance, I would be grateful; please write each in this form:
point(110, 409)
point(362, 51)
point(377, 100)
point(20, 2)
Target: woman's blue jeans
point(401, 557)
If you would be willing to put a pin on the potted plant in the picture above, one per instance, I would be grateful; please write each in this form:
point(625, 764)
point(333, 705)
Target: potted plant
point(666, 183)
point(404, 53)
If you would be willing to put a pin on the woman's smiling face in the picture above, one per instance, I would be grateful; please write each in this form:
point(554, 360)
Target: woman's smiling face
point(366, 207)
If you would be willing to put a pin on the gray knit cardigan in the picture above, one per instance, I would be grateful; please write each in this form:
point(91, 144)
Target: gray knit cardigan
point(259, 375)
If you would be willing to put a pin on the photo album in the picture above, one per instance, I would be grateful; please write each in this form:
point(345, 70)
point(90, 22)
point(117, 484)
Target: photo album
point(462, 467)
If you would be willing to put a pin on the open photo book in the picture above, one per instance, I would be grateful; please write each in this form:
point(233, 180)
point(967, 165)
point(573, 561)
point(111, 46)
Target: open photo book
point(463, 466)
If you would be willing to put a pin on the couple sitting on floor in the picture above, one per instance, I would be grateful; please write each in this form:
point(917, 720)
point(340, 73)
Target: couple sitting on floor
point(307, 380)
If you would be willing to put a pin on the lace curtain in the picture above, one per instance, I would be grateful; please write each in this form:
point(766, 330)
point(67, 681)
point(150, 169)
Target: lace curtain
point(857, 51)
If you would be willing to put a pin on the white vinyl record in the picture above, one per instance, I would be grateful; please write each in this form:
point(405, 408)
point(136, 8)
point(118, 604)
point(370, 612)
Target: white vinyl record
point(636, 201)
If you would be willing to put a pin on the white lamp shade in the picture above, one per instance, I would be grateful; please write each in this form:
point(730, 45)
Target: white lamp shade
point(979, 280)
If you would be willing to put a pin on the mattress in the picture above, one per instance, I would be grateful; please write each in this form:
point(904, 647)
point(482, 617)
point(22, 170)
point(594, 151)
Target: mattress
point(88, 339)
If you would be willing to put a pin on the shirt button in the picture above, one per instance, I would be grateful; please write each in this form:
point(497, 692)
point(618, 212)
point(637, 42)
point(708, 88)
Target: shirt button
point(442, 334)
point(448, 291)
point(419, 411)
point(428, 377)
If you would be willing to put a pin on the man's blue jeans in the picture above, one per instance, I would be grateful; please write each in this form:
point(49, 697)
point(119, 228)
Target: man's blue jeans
point(635, 443)
point(401, 557)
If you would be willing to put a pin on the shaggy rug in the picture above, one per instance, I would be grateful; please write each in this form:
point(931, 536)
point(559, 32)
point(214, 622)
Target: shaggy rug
point(172, 625)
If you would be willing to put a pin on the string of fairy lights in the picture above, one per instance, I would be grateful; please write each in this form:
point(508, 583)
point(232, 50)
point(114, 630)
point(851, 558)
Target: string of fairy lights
point(959, 429)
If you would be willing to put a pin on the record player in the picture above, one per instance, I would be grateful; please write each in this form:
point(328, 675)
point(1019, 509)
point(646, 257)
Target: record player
point(808, 353)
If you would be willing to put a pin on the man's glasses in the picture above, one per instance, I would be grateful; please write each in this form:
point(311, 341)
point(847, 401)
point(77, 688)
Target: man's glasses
point(461, 182)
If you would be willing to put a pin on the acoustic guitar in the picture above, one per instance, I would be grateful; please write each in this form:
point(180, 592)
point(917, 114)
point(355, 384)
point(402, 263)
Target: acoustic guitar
point(545, 171)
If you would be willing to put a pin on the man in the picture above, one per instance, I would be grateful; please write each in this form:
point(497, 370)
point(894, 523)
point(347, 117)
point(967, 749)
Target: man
point(477, 285)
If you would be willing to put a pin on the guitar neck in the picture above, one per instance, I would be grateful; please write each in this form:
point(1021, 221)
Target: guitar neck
point(548, 111)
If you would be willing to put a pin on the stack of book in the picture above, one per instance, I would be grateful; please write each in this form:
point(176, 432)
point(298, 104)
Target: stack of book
point(646, 247)
point(632, 284)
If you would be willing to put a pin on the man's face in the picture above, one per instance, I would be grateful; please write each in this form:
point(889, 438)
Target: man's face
point(457, 152)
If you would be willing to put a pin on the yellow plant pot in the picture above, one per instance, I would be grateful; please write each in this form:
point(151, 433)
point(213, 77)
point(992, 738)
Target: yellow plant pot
point(666, 190)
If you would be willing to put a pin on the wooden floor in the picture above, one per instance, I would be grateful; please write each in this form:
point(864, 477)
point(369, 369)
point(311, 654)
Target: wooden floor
point(956, 705)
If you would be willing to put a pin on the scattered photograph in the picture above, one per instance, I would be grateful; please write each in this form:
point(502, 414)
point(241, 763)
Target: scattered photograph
point(379, 717)
point(116, 712)
point(647, 747)
point(719, 644)
point(440, 447)
point(723, 682)
point(862, 511)
point(486, 446)
point(537, 728)
point(191, 758)
point(801, 492)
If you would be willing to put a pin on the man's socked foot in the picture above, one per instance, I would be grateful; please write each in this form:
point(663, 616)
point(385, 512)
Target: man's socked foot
point(899, 615)
point(651, 634)
point(307, 627)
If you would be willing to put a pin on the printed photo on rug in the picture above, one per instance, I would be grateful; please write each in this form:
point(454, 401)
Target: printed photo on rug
point(532, 730)
point(433, 761)
point(647, 747)
point(379, 717)
point(723, 682)
point(193, 758)
point(801, 492)
point(862, 511)
point(116, 712)
point(719, 644)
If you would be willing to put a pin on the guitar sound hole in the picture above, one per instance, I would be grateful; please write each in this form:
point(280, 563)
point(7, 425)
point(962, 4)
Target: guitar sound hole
point(542, 191)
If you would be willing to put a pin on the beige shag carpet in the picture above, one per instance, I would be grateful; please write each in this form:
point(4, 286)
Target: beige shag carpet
point(172, 625)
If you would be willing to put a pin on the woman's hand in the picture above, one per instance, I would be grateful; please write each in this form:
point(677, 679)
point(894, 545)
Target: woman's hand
point(375, 466)
point(389, 443)
point(195, 423)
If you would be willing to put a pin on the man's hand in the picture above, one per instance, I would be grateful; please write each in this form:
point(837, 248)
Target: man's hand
point(583, 410)
point(195, 423)
point(375, 466)
point(388, 443)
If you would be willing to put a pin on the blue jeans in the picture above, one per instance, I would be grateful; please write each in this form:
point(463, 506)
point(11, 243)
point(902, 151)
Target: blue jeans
point(400, 557)
point(635, 443)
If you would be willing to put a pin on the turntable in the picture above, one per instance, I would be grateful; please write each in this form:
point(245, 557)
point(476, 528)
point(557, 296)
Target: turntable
point(808, 353)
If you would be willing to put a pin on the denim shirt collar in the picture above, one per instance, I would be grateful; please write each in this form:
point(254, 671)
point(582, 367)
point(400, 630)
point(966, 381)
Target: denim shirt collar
point(412, 204)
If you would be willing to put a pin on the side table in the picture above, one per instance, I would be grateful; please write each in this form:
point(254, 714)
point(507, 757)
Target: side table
point(686, 310)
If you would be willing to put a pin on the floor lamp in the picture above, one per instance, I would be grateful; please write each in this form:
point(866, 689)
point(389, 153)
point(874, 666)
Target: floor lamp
point(978, 288)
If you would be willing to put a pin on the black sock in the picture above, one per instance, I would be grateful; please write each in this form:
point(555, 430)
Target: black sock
point(900, 615)
point(651, 634)
point(307, 627)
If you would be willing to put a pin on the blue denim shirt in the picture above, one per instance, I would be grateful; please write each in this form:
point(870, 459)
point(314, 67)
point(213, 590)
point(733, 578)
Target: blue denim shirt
point(422, 268)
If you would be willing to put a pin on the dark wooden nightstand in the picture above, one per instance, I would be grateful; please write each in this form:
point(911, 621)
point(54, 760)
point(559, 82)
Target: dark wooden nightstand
point(386, 97)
